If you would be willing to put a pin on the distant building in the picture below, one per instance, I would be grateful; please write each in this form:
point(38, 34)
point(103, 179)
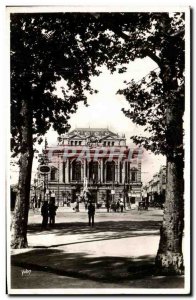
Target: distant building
point(155, 188)
point(97, 159)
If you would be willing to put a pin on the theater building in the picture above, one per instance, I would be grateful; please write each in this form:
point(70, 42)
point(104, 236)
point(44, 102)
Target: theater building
point(98, 159)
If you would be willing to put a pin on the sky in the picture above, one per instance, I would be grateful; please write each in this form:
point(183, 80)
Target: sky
point(104, 111)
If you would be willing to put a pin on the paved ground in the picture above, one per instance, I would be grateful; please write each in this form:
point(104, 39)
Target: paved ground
point(118, 252)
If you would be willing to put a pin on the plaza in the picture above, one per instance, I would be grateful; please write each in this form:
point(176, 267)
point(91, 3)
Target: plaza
point(119, 252)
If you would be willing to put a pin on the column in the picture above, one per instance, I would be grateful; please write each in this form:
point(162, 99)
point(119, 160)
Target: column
point(101, 170)
point(123, 171)
point(64, 163)
point(118, 171)
point(87, 170)
point(67, 171)
point(70, 178)
point(60, 166)
point(104, 171)
point(84, 169)
point(139, 172)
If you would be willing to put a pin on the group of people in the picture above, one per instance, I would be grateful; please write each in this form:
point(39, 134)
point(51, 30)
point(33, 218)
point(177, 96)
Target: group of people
point(48, 211)
point(116, 206)
point(76, 205)
point(35, 203)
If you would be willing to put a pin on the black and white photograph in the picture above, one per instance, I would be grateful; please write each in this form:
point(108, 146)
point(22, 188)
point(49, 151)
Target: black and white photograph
point(98, 176)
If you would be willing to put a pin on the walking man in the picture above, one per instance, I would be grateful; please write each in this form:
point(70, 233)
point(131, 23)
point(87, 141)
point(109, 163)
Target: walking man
point(52, 213)
point(121, 206)
point(108, 205)
point(91, 214)
point(44, 213)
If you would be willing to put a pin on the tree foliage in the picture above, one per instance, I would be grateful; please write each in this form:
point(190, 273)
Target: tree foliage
point(46, 48)
point(159, 36)
point(148, 109)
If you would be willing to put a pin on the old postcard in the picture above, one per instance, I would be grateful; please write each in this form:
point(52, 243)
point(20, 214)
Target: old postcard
point(100, 148)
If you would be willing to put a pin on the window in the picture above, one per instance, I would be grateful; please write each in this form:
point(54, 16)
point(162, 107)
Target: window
point(53, 174)
point(133, 176)
point(112, 143)
point(76, 170)
point(75, 143)
point(104, 143)
point(93, 170)
point(110, 171)
point(71, 143)
point(108, 143)
point(80, 142)
point(132, 200)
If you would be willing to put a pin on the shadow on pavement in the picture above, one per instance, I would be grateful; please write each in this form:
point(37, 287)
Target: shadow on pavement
point(80, 265)
point(106, 226)
point(100, 232)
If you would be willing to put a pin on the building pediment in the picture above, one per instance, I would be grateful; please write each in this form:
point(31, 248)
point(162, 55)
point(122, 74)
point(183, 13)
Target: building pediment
point(109, 137)
point(76, 136)
point(98, 132)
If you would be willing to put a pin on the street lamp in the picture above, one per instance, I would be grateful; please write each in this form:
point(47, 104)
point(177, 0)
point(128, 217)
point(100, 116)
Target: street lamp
point(113, 193)
point(129, 195)
point(47, 193)
point(35, 187)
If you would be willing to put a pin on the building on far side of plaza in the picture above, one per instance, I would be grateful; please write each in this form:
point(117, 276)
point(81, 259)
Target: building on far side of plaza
point(97, 159)
point(154, 190)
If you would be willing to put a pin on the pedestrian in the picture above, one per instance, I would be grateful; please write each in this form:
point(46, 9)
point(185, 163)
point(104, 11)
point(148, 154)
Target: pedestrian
point(52, 213)
point(35, 202)
point(118, 205)
point(68, 202)
point(121, 206)
point(85, 204)
point(108, 205)
point(91, 214)
point(52, 196)
point(39, 201)
point(77, 206)
point(44, 213)
point(32, 205)
point(113, 206)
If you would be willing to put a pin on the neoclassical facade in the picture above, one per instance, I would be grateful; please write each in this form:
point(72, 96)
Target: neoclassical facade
point(98, 159)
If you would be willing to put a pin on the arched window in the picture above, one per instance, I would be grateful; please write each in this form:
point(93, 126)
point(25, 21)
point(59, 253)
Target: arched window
point(93, 170)
point(71, 143)
point(76, 170)
point(108, 143)
point(110, 171)
point(53, 174)
point(75, 143)
point(133, 176)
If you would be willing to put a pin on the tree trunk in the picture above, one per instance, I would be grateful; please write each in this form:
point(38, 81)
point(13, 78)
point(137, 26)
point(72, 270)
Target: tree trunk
point(20, 215)
point(169, 258)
